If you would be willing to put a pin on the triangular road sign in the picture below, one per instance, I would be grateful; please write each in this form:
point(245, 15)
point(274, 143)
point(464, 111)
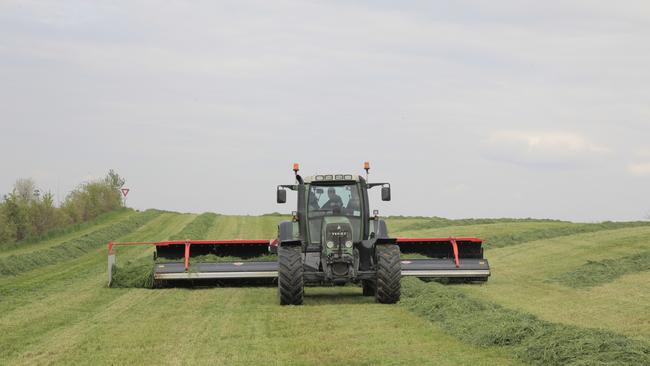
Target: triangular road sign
point(125, 191)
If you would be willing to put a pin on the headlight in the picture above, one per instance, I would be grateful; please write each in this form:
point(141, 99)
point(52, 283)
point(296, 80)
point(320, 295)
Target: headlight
point(348, 244)
point(330, 244)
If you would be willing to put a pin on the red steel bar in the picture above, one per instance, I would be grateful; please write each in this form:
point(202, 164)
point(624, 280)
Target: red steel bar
point(187, 254)
point(454, 246)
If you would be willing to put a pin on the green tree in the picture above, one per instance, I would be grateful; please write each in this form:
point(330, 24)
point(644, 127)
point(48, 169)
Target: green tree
point(16, 211)
point(7, 228)
point(43, 215)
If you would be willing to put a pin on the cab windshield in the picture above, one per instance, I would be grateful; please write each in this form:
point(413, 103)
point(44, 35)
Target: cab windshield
point(339, 200)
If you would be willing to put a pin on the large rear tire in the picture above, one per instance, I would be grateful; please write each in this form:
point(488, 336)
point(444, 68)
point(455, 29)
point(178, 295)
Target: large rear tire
point(389, 274)
point(291, 287)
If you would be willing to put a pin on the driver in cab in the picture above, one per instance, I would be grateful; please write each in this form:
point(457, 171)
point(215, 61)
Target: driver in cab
point(334, 200)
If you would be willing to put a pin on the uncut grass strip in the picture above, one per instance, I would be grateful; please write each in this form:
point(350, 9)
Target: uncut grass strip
point(198, 228)
point(532, 340)
point(499, 241)
point(16, 264)
point(594, 273)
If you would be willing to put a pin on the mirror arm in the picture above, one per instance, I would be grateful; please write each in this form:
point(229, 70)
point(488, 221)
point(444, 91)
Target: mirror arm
point(371, 185)
point(292, 187)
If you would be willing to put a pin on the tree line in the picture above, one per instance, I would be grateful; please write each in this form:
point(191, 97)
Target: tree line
point(27, 212)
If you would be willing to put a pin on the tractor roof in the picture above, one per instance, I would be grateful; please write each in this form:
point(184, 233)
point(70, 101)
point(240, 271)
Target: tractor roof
point(327, 178)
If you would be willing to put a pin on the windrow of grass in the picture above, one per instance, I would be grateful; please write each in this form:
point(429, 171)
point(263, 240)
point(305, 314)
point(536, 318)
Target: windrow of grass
point(198, 228)
point(532, 340)
point(213, 258)
point(498, 233)
point(15, 264)
point(504, 240)
point(594, 273)
point(135, 273)
point(440, 222)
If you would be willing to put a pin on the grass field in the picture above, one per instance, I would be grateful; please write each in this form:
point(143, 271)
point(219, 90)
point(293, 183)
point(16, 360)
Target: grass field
point(63, 313)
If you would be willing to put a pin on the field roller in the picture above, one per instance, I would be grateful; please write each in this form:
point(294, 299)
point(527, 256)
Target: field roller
point(332, 238)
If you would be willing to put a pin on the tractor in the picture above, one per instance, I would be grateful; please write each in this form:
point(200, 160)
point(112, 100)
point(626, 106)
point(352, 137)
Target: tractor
point(331, 239)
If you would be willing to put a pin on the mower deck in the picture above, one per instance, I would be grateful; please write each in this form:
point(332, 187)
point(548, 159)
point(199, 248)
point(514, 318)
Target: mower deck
point(422, 268)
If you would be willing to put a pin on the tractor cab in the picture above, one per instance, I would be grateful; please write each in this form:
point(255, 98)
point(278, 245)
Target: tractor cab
point(332, 203)
point(328, 199)
point(332, 225)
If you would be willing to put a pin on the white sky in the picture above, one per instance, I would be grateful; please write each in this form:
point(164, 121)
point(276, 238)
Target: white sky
point(469, 108)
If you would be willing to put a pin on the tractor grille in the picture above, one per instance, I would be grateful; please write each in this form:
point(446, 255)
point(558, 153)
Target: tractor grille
point(338, 233)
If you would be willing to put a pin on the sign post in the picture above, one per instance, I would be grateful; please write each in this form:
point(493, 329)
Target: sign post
point(125, 192)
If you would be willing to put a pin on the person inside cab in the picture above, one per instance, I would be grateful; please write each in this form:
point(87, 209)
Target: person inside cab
point(354, 204)
point(334, 201)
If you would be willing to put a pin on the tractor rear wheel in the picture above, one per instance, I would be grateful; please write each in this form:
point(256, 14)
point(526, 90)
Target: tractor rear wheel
point(389, 274)
point(369, 287)
point(290, 279)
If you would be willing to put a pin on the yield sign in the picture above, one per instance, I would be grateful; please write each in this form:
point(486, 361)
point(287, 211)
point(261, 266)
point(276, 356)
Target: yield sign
point(125, 191)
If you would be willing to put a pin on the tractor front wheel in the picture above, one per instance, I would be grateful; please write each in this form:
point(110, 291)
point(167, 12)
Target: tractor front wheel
point(290, 279)
point(389, 274)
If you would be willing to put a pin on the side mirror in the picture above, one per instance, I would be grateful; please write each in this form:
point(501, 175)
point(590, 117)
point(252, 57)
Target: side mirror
point(385, 193)
point(281, 195)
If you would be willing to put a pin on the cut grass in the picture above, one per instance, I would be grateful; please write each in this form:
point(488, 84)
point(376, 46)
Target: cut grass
point(531, 339)
point(67, 298)
point(246, 227)
point(64, 314)
point(197, 229)
point(440, 222)
point(212, 258)
point(134, 274)
point(594, 273)
point(503, 233)
point(504, 240)
point(15, 264)
point(74, 319)
point(521, 274)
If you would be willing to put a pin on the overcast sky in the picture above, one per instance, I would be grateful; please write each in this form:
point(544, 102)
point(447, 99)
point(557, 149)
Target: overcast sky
point(469, 108)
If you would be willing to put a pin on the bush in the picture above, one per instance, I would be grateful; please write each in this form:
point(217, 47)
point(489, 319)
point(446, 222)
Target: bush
point(26, 213)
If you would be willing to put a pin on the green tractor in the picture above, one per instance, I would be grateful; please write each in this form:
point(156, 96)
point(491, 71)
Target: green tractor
point(332, 239)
